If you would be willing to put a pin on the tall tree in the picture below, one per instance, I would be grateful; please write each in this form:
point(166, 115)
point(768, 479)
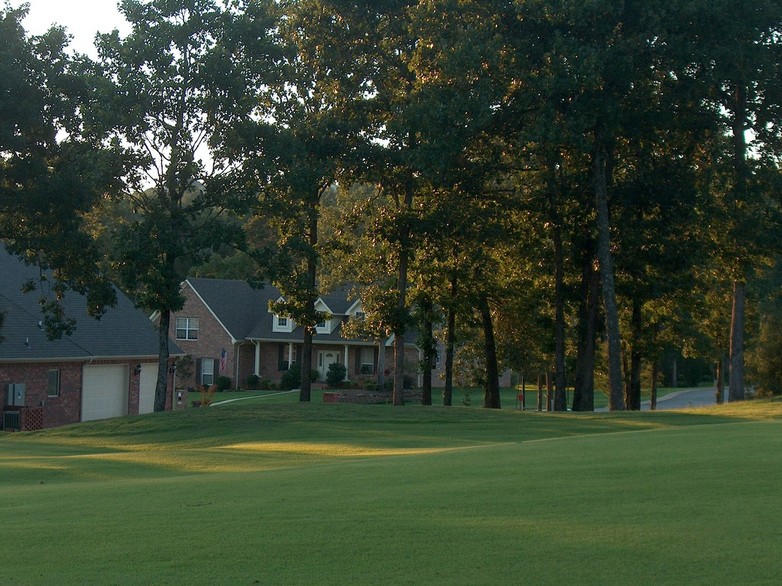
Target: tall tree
point(737, 53)
point(306, 122)
point(51, 170)
point(162, 92)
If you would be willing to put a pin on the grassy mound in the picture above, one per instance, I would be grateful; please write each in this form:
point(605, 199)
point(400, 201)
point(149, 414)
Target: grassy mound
point(276, 493)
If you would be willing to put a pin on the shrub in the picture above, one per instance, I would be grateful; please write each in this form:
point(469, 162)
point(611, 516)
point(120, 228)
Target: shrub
point(291, 378)
point(207, 392)
point(335, 374)
point(253, 381)
point(223, 383)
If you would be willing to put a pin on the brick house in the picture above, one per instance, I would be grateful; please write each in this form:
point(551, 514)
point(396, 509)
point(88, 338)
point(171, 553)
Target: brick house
point(106, 368)
point(226, 328)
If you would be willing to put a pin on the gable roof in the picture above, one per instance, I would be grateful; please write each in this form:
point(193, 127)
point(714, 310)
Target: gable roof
point(235, 304)
point(122, 331)
point(244, 311)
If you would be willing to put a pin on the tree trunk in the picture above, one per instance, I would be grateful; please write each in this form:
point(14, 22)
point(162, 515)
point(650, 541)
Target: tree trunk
point(450, 343)
point(381, 364)
point(720, 383)
point(401, 306)
point(491, 397)
point(306, 366)
point(736, 373)
point(634, 388)
point(549, 391)
point(312, 284)
point(429, 350)
point(599, 176)
point(539, 404)
point(560, 394)
point(584, 392)
point(655, 372)
point(161, 386)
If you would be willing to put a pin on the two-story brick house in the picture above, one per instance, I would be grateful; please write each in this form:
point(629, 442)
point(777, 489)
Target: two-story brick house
point(106, 368)
point(227, 328)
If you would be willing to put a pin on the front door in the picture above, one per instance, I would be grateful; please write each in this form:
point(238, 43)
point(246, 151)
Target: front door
point(325, 359)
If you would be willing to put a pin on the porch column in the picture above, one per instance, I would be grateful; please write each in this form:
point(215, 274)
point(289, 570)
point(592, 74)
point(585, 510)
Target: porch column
point(347, 366)
point(257, 358)
point(290, 354)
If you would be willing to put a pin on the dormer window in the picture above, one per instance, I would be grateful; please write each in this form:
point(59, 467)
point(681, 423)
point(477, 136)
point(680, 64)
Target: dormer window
point(323, 327)
point(282, 324)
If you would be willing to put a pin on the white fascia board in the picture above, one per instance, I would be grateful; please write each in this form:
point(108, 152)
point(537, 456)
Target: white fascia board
point(209, 309)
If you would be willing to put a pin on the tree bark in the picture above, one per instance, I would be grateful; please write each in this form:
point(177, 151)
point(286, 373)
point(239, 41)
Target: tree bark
point(599, 176)
point(429, 350)
point(633, 398)
point(450, 343)
point(401, 308)
point(560, 393)
point(161, 386)
point(736, 374)
point(491, 397)
point(584, 392)
point(312, 283)
point(306, 366)
point(720, 382)
point(655, 372)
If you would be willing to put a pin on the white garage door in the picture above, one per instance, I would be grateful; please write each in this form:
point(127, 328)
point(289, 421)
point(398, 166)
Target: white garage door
point(146, 399)
point(104, 391)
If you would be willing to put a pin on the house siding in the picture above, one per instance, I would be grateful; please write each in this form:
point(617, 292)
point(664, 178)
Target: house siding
point(64, 409)
point(212, 338)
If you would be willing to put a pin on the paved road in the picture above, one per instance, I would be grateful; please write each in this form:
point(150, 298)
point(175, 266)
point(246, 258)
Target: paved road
point(684, 399)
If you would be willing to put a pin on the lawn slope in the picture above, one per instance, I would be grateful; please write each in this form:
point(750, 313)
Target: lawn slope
point(340, 494)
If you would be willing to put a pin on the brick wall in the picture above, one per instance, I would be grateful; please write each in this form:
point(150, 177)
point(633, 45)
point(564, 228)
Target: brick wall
point(61, 410)
point(212, 338)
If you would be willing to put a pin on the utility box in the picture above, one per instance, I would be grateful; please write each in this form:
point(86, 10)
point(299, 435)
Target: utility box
point(14, 395)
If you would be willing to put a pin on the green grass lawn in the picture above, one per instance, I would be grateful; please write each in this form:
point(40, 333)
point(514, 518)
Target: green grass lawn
point(270, 492)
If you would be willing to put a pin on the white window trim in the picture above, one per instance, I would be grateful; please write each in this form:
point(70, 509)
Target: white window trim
point(187, 328)
point(211, 366)
point(287, 328)
point(325, 328)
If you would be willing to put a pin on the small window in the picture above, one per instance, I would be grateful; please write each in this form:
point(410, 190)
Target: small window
point(282, 322)
point(360, 315)
point(187, 328)
point(207, 372)
point(367, 361)
point(53, 383)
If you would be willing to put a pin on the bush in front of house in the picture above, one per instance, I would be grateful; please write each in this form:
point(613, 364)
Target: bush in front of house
point(291, 378)
point(335, 374)
point(253, 381)
point(223, 383)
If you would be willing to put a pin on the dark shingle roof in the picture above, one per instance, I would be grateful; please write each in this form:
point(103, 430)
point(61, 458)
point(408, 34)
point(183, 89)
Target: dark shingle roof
point(123, 331)
point(244, 311)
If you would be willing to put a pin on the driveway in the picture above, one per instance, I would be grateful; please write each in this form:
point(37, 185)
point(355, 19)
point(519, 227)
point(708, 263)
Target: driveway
point(684, 399)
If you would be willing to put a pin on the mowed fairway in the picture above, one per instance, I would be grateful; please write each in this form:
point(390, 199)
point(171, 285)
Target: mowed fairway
point(253, 493)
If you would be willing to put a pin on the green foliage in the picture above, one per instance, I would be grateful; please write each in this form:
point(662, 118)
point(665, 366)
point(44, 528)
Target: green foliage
point(223, 383)
point(206, 393)
point(335, 374)
point(253, 381)
point(291, 378)
point(52, 170)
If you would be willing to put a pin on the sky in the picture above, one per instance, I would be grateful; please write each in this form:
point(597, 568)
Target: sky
point(82, 19)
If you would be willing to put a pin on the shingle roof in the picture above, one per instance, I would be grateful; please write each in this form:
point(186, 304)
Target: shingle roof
point(123, 331)
point(244, 311)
